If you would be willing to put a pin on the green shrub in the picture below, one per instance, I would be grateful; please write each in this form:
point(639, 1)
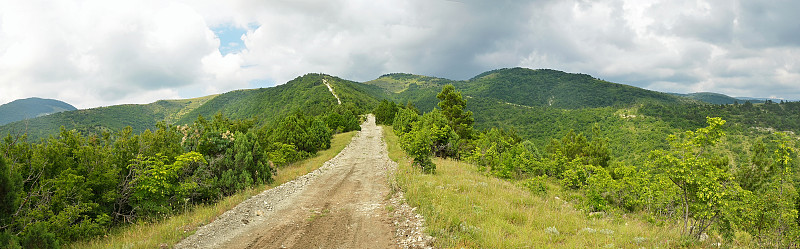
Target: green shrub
point(418, 144)
point(38, 235)
point(536, 184)
point(9, 241)
point(385, 112)
point(403, 121)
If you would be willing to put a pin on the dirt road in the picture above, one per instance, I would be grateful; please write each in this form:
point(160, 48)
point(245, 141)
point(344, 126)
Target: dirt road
point(340, 205)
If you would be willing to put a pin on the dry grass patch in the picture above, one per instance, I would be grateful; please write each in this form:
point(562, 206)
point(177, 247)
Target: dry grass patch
point(465, 208)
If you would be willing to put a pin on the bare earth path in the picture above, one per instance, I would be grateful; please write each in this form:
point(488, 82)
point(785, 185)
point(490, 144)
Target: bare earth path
point(340, 205)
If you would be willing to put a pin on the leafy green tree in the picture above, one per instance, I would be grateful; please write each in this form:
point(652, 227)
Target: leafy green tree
point(403, 121)
point(704, 184)
point(342, 119)
point(165, 139)
point(384, 113)
point(412, 107)
point(787, 214)
point(418, 144)
point(157, 185)
point(10, 185)
point(308, 134)
point(335, 122)
point(502, 153)
point(430, 135)
point(754, 176)
point(577, 146)
point(443, 137)
point(282, 154)
point(9, 240)
point(453, 107)
point(249, 156)
point(38, 235)
point(771, 211)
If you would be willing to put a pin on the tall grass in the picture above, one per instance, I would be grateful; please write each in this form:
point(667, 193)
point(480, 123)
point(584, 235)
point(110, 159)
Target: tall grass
point(170, 231)
point(464, 208)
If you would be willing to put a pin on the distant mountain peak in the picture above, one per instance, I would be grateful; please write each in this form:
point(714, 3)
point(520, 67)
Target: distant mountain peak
point(30, 108)
point(557, 89)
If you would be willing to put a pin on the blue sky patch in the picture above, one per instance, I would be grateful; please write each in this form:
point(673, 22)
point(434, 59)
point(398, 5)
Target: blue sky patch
point(261, 83)
point(230, 38)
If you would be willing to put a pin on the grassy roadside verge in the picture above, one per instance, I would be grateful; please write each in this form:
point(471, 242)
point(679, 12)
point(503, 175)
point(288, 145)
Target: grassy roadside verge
point(170, 231)
point(464, 208)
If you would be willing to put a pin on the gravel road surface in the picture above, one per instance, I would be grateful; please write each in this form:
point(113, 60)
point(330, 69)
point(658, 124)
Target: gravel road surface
point(343, 204)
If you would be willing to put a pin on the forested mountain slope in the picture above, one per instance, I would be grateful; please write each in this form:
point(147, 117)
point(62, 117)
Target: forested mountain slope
point(306, 93)
point(30, 108)
point(527, 87)
point(546, 87)
point(712, 98)
point(409, 88)
point(540, 105)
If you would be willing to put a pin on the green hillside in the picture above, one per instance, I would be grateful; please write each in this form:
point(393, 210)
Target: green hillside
point(399, 82)
point(417, 89)
point(305, 93)
point(494, 95)
point(711, 98)
point(522, 86)
point(604, 148)
point(546, 87)
point(714, 171)
point(31, 108)
point(110, 118)
point(541, 105)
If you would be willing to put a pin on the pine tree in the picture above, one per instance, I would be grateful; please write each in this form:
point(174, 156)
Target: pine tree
point(453, 105)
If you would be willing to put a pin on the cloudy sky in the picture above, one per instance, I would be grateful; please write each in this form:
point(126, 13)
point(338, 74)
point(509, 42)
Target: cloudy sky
point(98, 53)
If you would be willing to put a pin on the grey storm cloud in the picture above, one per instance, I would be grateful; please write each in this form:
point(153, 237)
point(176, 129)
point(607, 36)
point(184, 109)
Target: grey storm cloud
point(92, 53)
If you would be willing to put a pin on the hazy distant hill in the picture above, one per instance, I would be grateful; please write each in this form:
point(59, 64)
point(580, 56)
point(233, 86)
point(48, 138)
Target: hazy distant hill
point(761, 100)
point(30, 108)
point(722, 99)
point(110, 118)
point(712, 98)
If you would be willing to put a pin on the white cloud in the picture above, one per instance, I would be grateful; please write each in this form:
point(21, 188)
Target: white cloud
point(91, 53)
point(94, 52)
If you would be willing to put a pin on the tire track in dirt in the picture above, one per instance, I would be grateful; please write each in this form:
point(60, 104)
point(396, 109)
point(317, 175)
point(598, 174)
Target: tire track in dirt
point(340, 205)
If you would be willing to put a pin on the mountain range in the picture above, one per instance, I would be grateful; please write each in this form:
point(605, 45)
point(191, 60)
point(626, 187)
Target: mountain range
point(494, 91)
